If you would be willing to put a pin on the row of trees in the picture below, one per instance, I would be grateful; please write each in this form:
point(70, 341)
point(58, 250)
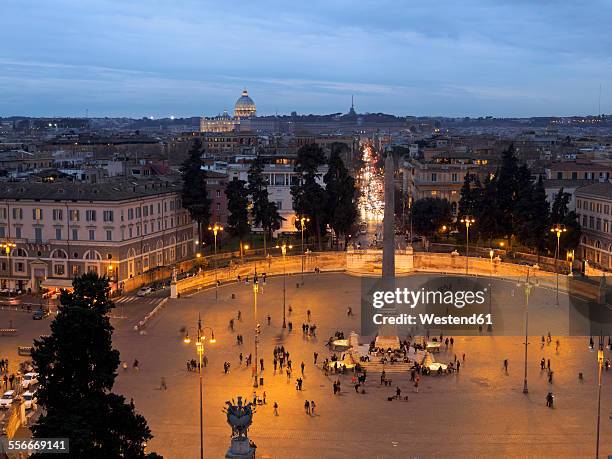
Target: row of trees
point(333, 205)
point(507, 204)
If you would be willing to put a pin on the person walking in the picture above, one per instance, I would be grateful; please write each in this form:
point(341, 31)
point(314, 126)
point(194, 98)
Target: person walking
point(506, 365)
point(416, 384)
point(240, 357)
point(398, 393)
point(549, 399)
point(135, 365)
point(542, 363)
point(162, 384)
point(275, 409)
point(261, 365)
point(302, 367)
point(315, 355)
point(308, 314)
point(307, 407)
point(239, 315)
point(312, 408)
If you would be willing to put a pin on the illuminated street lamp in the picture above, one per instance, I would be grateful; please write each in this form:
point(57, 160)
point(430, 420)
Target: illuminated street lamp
point(243, 249)
point(303, 222)
point(284, 248)
point(527, 285)
point(491, 253)
point(8, 246)
point(200, 339)
point(255, 292)
point(215, 229)
point(467, 221)
point(600, 363)
point(558, 230)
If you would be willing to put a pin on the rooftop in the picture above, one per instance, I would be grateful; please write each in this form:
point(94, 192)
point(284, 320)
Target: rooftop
point(112, 190)
point(601, 189)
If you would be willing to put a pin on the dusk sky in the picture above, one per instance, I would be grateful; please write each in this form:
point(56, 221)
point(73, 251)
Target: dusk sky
point(191, 58)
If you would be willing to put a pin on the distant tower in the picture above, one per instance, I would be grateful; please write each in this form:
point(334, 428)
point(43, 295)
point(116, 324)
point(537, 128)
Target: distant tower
point(352, 109)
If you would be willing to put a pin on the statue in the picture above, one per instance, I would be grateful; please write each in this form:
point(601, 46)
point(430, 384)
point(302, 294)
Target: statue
point(240, 418)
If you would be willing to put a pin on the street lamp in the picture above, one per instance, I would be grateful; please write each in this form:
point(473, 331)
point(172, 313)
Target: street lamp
point(467, 221)
point(200, 350)
point(255, 292)
point(600, 362)
point(557, 229)
point(527, 285)
point(8, 246)
point(215, 229)
point(284, 248)
point(243, 249)
point(303, 222)
point(491, 253)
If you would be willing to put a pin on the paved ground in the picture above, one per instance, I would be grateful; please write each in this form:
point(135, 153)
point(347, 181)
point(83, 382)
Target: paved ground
point(480, 412)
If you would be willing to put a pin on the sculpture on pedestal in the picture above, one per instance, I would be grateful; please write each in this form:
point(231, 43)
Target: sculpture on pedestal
point(240, 418)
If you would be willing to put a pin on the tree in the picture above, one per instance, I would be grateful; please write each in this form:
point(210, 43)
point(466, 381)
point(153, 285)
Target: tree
point(237, 205)
point(341, 196)
point(265, 214)
point(470, 195)
point(532, 218)
point(194, 196)
point(308, 195)
point(77, 368)
point(430, 214)
point(507, 189)
point(561, 215)
point(487, 212)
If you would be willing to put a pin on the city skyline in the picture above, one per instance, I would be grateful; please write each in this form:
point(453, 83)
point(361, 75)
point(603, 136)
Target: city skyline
point(474, 59)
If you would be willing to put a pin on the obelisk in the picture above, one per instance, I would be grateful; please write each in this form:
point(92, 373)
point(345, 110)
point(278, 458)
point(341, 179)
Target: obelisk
point(388, 263)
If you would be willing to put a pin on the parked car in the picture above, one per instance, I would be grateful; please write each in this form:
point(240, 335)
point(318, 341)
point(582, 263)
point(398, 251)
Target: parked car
point(7, 399)
point(29, 379)
point(144, 291)
point(29, 399)
point(40, 314)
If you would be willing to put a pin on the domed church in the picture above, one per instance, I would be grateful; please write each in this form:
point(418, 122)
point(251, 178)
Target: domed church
point(245, 107)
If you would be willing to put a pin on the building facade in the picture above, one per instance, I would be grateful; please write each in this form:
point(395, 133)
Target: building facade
point(118, 228)
point(594, 209)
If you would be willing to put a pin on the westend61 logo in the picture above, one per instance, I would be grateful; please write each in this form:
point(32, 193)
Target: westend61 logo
point(412, 298)
point(421, 302)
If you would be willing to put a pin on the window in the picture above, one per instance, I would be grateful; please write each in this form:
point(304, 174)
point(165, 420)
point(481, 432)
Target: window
point(454, 177)
point(279, 179)
point(130, 231)
point(434, 177)
point(18, 232)
point(3, 213)
point(58, 214)
point(92, 235)
point(137, 212)
point(605, 226)
point(74, 215)
point(107, 215)
point(579, 203)
point(158, 207)
point(130, 214)
point(598, 224)
point(75, 234)
point(17, 213)
point(58, 234)
point(90, 215)
point(2, 231)
point(59, 269)
point(151, 209)
point(109, 235)
point(19, 267)
point(37, 213)
point(75, 270)
point(559, 175)
point(38, 234)
point(137, 230)
point(574, 175)
point(591, 222)
point(145, 211)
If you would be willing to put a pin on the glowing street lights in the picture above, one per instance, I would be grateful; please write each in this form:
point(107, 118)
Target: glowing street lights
point(8, 246)
point(200, 339)
point(284, 248)
point(255, 292)
point(558, 230)
point(215, 229)
point(527, 285)
point(467, 221)
point(243, 249)
point(303, 221)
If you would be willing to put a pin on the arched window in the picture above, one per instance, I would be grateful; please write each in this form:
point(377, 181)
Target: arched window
point(59, 253)
point(92, 255)
point(597, 244)
point(19, 252)
point(131, 253)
